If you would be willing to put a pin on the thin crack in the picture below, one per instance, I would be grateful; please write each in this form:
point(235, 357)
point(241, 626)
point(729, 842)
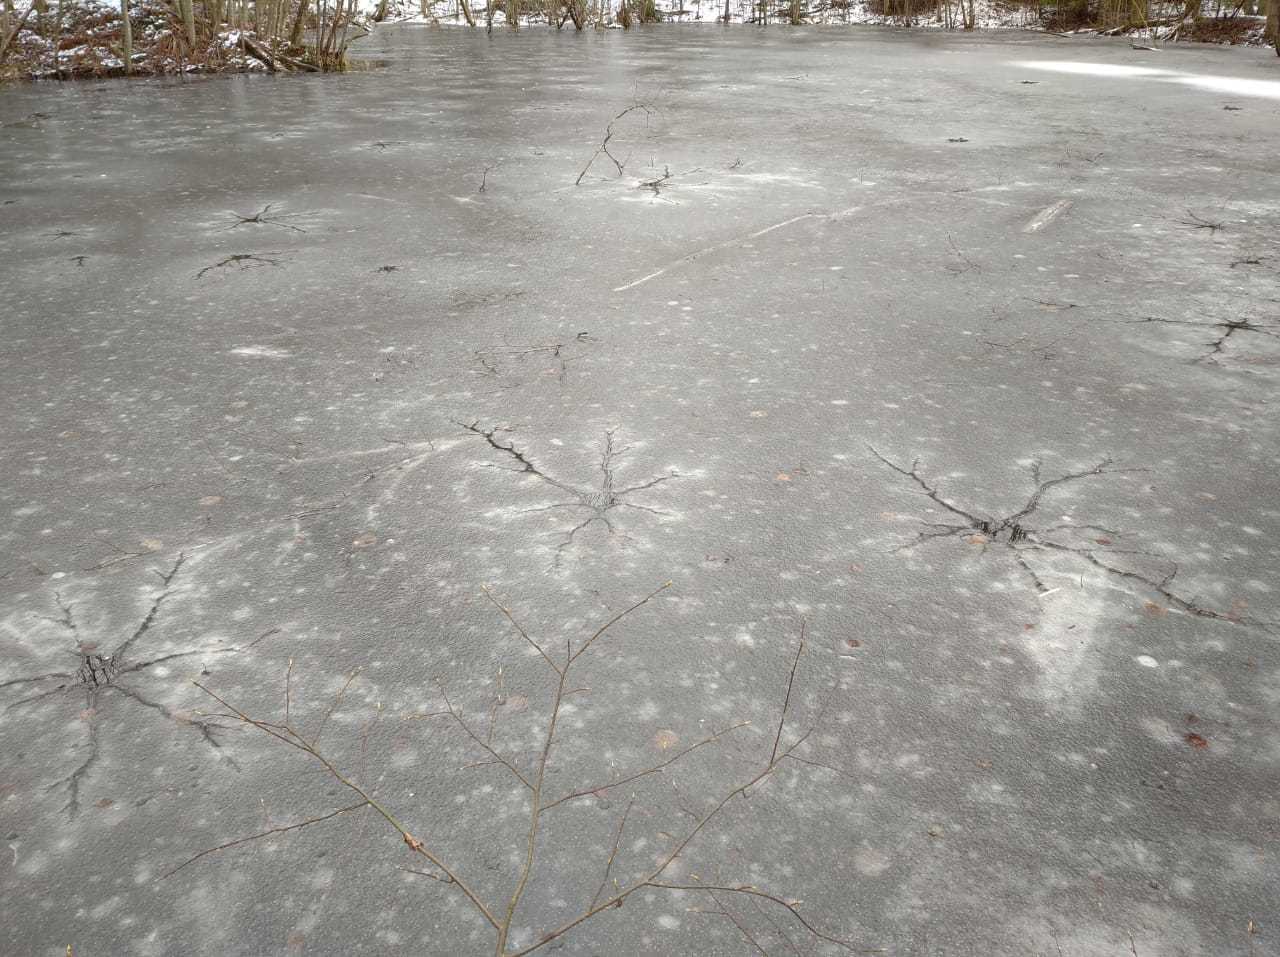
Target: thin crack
point(205, 728)
point(117, 656)
point(1013, 532)
point(598, 501)
point(1198, 222)
point(914, 474)
point(241, 261)
point(263, 218)
point(1160, 587)
point(1215, 347)
point(99, 673)
point(556, 351)
point(72, 781)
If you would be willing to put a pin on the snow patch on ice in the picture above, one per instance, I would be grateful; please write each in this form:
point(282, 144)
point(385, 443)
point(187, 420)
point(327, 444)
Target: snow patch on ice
point(262, 352)
point(1268, 89)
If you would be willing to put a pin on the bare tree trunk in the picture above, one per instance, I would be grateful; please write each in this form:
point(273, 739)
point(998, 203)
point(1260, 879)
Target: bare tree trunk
point(466, 13)
point(126, 40)
point(13, 31)
point(299, 23)
point(187, 8)
point(1273, 24)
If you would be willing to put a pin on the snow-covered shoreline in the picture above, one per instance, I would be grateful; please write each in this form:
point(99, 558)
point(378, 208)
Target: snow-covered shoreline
point(85, 41)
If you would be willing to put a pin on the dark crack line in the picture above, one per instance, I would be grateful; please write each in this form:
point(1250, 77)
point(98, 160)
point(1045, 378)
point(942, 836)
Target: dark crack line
point(598, 501)
point(526, 466)
point(914, 475)
point(992, 528)
point(242, 261)
point(99, 674)
point(1198, 222)
point(1160, 587)
point(1215, 347)
point(34, 679)
point(262, 218)
point(117, 656)
point(1021, 538)
point(1035, 579)
point(43, 694)
point(555, 350)
point(144, 665)
point(1218, 346)
point(205, 728)
point(72, 781)
point(1042, 486)
point(67, 620)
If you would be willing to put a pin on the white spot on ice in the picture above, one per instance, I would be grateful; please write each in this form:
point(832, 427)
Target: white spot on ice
point(1147, 661)
point(871, 862)
point(668, 922)
point(1269, 89)
point(261, 352)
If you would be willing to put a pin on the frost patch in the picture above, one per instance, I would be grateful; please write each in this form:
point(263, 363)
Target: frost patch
point(260, 352)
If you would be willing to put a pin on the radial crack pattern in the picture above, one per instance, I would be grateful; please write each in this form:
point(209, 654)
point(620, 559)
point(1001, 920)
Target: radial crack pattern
point(594, 504)
point(558, 353)
point(1016, 532)
point(1214, 347)
point(95, 675)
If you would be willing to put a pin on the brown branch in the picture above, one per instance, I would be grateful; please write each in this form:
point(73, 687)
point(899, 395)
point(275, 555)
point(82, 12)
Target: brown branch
point(747, 889)
point(515, 624)
point(610, 893)
point(617, 840)
point(656, 769)
point(615, 619)
point(535, 814)
point(259, 836)
point(648, 880)
point(652, 878)
point(452, 712)
point(736, 922)
point(295, 740)
point(604, 144)
point(337, 700)
point(786, 701)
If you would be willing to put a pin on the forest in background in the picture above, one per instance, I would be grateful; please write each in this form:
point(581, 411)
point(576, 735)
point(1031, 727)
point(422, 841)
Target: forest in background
point(67, 39)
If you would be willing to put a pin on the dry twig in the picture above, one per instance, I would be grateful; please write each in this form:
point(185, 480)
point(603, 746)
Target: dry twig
point(612, 891)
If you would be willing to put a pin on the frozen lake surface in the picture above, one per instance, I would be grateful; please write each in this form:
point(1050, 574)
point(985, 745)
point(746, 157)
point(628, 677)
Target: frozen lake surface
point(962, 351)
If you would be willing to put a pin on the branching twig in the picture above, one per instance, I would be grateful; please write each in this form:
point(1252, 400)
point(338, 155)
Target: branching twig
point(604, 144)
point(610, 892)
point(259, 836)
